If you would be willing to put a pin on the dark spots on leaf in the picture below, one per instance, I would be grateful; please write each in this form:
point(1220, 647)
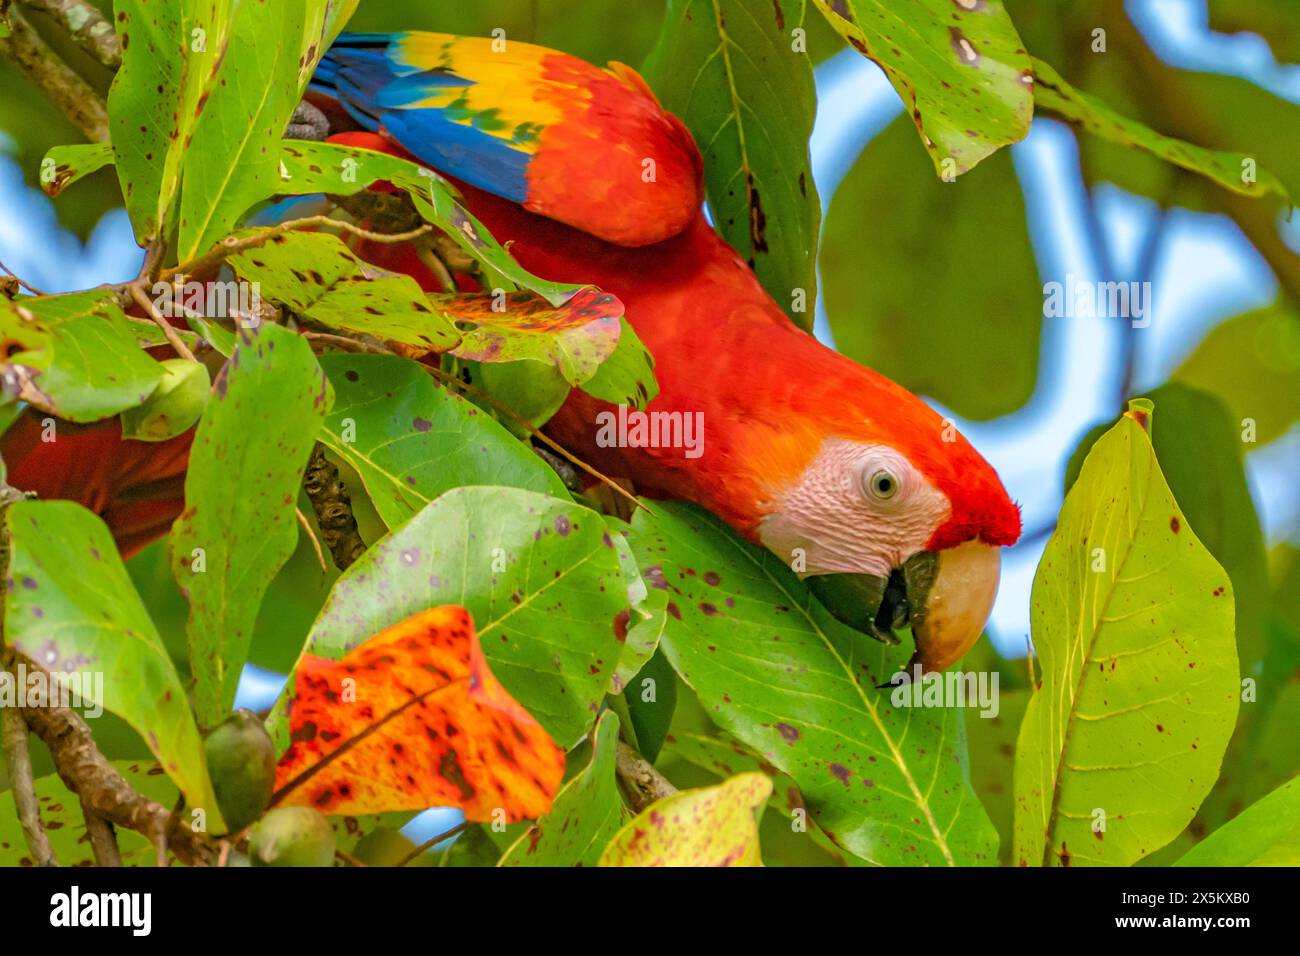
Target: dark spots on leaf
point(840, 773)
point(757, 218)
point(712, 578)
point(708, 610)
point(674, 610)
point(788, 733)
point(421, 424)
point(562, 525)
point(1174, 525)
point(620, 625)
point(964, 49)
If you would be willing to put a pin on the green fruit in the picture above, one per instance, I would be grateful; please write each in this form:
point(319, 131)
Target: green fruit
point(292, 836)
point(175, 405)
point(241, 763)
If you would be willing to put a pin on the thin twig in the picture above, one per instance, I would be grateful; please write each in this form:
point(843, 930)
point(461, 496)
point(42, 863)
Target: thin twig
point(345, 344)
point(19, 759)
point(65, 89)
point(311, 536)
point(26, 285)
point(430, 260)
point(103, 842)
point(234, 245)
point(168, 330)
point(348, 858)
point(430, 843)
point(153, 257)
point(86, 26)
point(642, 783)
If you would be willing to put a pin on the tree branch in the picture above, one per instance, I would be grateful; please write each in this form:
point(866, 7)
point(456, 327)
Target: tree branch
point(86, 25)
point(20, 782)
point(103, 842)
point(102, 790)
point(42, 66)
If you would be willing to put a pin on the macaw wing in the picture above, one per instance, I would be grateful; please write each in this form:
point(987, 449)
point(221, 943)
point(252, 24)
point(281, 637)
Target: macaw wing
point(586, 146)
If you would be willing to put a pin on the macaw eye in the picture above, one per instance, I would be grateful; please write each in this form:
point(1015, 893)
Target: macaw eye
point(882, 484)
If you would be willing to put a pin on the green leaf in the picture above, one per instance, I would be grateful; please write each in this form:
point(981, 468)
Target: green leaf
point(1054, 94)
point(66, 827)
point(1252, 363)
point(540, 577)
point(1133, 628)
point(239, 524)
point(531, 391)
point(647, 614)
point(65, 165)
point(726, 758)
point(992, 742)
point(628, 376)
point(958, 65)
point(1199, 452)
point(317, 276)
point(586, 813)
point(1265, 834)
point(651, 699)
point(980, 362)
point(233, 161)
point(887, 783)
point(171, 50)
point(711, 826)
point(73, 610)
point(575, 337)
point(344, 170)
point(411, 440)
point(730, 70)
point(74, 356)
point(1262, 754)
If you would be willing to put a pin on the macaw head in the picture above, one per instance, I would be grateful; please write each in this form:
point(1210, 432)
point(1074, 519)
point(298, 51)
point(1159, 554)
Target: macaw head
point(890, 513)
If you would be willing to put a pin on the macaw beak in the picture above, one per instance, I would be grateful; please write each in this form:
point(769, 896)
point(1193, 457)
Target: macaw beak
point(945, 596)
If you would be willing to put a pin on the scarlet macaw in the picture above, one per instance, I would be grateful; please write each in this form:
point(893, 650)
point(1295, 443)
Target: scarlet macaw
point(896, 517)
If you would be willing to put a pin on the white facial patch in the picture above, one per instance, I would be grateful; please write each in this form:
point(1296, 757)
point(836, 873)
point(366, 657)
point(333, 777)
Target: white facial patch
point(857, 508)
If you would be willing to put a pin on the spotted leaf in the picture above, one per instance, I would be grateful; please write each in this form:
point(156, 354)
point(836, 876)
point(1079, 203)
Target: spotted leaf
point(413, 718)
point(958, 65)
point(712, 826)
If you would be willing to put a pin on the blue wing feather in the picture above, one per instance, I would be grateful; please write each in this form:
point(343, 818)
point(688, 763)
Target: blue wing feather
point(364, 76)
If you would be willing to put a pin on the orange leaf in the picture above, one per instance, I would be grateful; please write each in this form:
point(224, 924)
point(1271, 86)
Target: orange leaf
point(418, 721)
